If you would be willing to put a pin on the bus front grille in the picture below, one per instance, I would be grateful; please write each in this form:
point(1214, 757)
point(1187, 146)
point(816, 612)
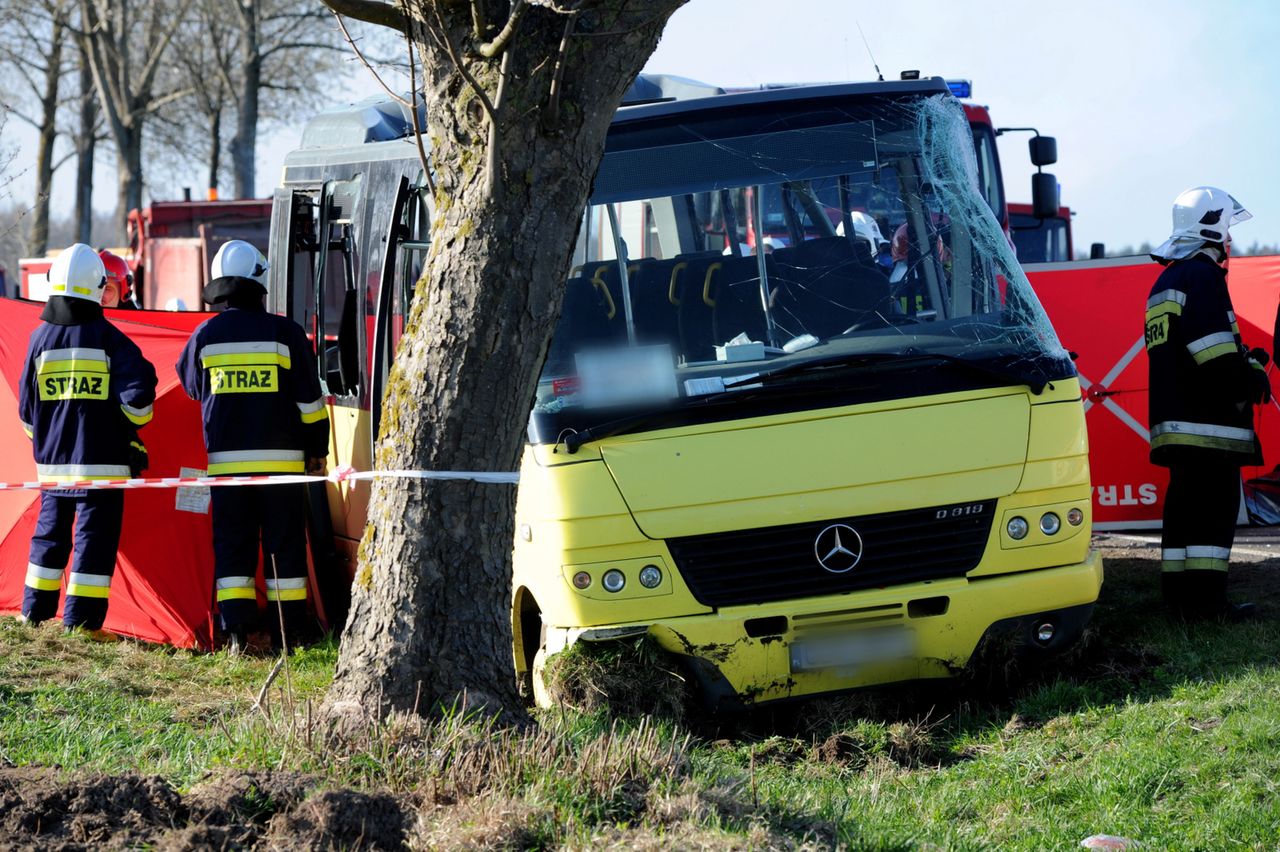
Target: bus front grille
point(781, 563)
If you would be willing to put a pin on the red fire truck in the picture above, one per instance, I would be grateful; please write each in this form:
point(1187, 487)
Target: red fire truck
point(1039, 240)
point(171, 244)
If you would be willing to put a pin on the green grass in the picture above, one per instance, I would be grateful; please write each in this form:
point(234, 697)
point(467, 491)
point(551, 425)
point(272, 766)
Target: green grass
point(68, 701)
point(1163, 733)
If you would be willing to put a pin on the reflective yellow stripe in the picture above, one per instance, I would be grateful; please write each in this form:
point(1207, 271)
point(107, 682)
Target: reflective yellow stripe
point(251, 359)
point(287, 594)
point(237, 594)
point(1213, 443)
point(1206, 563)
point(137, 416)
point(83, 291)
point(58, 288)
point(315, 416)
point(1173, 566)
point(227, 468)
point(81, 590)
point(1206, 355)
point(43, 585)
point(1164, 309)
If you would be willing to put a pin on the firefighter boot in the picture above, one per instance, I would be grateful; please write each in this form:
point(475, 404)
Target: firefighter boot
point(1173, 589)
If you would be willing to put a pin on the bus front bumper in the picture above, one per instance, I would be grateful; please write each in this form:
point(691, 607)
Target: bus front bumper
point(749, 655)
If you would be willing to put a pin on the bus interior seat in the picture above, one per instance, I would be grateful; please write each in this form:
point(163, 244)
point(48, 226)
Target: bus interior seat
point(585, 320)
point(739, 308)
point(829, 286)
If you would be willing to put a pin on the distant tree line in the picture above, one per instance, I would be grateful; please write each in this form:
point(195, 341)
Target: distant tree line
point(1238, 250)
point(193, 83)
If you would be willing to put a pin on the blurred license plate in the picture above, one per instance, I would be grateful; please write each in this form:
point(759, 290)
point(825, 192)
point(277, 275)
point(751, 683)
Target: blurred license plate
point(852, 650)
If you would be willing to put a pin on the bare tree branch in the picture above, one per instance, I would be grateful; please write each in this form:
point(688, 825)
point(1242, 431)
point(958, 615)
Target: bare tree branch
point(499, 43)
point(347, 35)
point(369, 11)
point(413, 111)
point(447, 42)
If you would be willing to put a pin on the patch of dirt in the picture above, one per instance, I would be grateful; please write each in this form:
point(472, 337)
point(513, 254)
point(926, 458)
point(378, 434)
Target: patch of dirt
point(43, 808)
point(343, 819)
point(842, 749)
point(629, 677)
point(37, 804)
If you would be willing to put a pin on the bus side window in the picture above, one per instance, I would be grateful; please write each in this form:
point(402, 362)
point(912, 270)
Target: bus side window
point(336, 327)
point(412, 254)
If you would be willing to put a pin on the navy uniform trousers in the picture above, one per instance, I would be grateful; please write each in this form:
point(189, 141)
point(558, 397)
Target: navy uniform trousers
point(96, 518)
point(244, 517)
point(1200, 510)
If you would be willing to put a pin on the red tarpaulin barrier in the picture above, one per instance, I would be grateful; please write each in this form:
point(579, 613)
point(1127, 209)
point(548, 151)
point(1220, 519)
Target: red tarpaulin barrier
point(1098, 308)
point(163, 582)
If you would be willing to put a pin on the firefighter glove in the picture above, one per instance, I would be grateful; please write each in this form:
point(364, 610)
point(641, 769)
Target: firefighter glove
point(1262, 385)
point(1259, 355)
point(138, 458)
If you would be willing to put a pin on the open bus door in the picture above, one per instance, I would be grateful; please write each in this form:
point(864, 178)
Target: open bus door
point(300, 218)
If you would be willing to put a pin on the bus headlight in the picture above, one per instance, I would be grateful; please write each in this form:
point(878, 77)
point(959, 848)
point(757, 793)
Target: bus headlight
point(581, 580)
point(613, 580)
point(1017, 528)
point(1050, 523)
point(650, 576)
point(1075, 517)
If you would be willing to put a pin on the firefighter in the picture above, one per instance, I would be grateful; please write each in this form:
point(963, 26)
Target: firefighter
point(119, 290)
point(1203, 386)
point(254, 374)
point(85, 391)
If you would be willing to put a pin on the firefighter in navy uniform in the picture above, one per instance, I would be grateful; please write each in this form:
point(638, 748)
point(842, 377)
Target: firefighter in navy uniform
point(254, 374)
point(84, 392)
point(1203, 385)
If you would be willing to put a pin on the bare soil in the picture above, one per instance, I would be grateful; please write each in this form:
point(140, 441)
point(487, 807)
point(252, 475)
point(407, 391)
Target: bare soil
point(42, 808)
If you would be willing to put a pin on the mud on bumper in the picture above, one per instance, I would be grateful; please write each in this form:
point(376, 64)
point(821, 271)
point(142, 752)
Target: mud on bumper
point(743, 656)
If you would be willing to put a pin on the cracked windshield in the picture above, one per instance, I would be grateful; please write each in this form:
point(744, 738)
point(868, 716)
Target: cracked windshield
point(829, 256)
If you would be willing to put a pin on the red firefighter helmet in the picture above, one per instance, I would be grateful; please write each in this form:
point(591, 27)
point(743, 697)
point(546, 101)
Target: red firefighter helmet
point(117, 273)
point(898, 245)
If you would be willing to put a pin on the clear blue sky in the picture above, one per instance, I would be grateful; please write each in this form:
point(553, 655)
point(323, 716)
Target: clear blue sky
point(1146, 99)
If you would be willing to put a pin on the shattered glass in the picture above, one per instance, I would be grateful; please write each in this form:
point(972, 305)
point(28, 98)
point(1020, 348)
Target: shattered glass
point(796, 257)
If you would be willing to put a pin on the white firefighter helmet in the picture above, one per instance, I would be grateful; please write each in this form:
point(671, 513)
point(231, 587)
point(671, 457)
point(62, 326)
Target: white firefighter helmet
point(1203, 214)
point(77, 272)
point(865, 228)
point(240, 259)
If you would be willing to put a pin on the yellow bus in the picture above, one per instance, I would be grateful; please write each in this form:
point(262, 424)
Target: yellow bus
point(803, 420)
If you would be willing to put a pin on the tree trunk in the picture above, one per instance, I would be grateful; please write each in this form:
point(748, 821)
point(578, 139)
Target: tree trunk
point(215, 147)
point(39, 240)
point(86, 142)
point(429, 624)
point(244, 144)
point(128, 175)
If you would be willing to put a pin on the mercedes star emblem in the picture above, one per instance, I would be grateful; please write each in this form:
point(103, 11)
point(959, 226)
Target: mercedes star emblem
point(838, 548)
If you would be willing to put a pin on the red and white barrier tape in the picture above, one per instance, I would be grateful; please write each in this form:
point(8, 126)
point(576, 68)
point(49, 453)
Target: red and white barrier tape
point(341, 474)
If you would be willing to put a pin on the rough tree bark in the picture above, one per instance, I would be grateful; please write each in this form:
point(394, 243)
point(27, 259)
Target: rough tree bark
point(245, 143)
point(126, 53)
point(38, 242)
point(429, 622)
point(86, 143)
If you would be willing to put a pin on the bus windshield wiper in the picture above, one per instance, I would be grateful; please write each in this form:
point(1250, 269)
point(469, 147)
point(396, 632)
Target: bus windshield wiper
point(863, 359)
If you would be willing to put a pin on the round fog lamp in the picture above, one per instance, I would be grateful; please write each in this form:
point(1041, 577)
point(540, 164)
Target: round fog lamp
point(1050, 523)
point(1017, 528)
point(581, 580)
point(1075, 517)
point(1044, 633)
point(650, 576)
point(613, 580)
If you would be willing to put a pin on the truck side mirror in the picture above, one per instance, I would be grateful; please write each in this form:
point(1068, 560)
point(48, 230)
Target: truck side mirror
point(1097, 251)
point(1044, 195)
point(1044, 150)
